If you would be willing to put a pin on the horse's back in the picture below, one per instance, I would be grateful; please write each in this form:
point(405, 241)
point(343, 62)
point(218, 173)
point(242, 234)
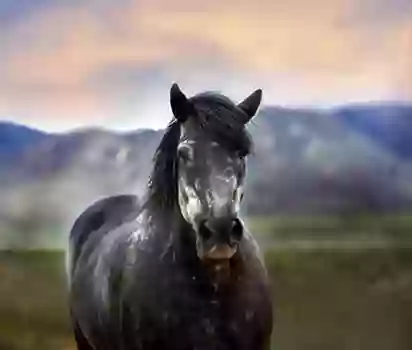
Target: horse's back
point(105, 214)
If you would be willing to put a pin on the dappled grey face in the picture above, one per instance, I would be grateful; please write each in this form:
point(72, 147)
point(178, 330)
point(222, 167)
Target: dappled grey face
point(211, 174)
point(210, 180)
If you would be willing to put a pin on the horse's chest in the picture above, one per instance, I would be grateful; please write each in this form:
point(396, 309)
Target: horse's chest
point(185, 313)
point(221, 328)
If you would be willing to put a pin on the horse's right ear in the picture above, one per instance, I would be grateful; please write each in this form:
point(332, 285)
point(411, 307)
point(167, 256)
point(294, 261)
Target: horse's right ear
point(182, 108)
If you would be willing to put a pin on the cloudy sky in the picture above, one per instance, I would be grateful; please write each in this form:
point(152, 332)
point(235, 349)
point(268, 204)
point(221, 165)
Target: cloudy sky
point(72, 63)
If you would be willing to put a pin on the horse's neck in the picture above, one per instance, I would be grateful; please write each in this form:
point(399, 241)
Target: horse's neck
point(174, 235)
point(169, 224)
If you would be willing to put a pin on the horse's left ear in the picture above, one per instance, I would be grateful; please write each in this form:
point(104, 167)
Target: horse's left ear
point(182, 108)
point(251, 104)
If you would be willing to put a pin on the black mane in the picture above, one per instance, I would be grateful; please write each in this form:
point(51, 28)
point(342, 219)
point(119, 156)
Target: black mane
point(220, 119)
point(162, 189)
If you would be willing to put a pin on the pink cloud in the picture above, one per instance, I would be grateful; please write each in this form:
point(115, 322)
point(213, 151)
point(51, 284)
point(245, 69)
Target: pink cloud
point(52, 56)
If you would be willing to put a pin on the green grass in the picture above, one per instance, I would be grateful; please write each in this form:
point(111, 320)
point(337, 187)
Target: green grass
point(342, 300)
point(324, 300)
point(33, 312)
point(390, 226)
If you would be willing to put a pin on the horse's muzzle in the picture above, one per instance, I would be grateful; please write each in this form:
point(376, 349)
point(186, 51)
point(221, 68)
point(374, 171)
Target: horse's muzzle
point(220, 252)
point(220, 238)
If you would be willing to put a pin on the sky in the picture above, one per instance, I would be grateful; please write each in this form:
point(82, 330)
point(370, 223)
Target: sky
point(79, 63)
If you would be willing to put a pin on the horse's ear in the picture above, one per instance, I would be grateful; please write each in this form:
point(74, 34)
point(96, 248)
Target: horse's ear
point(182, 108)
point(251, 104)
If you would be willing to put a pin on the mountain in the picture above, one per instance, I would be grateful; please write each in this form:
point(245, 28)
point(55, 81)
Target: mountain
point(315, 161)
point(390, 125)
point(305, 161)
point(90, 151)
point(15, 139)
point(52, 181)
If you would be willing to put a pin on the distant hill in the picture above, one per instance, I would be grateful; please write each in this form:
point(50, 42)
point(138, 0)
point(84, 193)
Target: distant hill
point(388, 124)
point(318, 161)
point(15, 138)
point(351, 159)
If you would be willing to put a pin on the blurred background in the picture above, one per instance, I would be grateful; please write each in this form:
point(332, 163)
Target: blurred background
point(84, 89)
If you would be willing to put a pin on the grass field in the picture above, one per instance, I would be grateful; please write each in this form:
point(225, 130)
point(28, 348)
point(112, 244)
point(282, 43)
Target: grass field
point(324, 300)
point(33, 312)
point(334, 296)
point(396, 227)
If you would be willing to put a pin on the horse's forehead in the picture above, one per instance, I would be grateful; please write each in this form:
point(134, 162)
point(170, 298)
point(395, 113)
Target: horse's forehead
point(190, 142)
point(196, 139)
point(190, 127)
point(202, 141)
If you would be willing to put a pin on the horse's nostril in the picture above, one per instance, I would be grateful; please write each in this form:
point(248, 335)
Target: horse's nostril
point(237, 229)
point(230, 231)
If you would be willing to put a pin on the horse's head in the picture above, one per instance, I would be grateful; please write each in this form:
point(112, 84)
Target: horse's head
point(211, 167)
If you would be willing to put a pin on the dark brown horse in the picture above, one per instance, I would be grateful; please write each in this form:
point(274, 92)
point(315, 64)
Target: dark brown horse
point(180, 272)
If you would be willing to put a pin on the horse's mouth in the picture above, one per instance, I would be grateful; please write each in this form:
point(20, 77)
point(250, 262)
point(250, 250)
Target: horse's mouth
point(220, 252)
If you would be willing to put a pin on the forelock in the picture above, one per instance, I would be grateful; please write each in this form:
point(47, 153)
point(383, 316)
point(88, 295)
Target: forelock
point(221, 119)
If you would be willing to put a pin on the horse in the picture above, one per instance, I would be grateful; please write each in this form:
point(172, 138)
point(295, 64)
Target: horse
point(179, 271)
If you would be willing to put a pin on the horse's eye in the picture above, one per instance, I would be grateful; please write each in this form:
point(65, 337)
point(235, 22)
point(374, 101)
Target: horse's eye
point(228, 172)
point(185, 153)
point(242, 162)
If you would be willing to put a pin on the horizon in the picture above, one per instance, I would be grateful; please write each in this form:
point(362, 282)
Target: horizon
point(123, 129)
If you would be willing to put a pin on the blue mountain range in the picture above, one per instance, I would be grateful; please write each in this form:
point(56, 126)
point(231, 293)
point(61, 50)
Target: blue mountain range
point(15, 138)
point(311, 160)
point(389, 125)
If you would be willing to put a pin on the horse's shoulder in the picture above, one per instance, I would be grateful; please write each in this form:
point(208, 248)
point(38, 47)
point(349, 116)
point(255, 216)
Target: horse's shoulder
point(98, 219)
